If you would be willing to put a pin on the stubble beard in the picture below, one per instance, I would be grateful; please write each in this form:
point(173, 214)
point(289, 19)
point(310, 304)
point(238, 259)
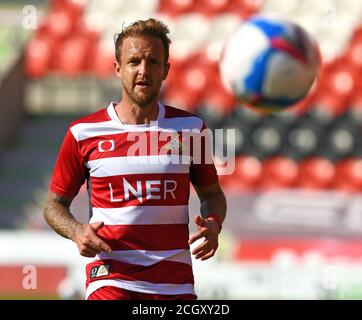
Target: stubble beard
point(141, 101)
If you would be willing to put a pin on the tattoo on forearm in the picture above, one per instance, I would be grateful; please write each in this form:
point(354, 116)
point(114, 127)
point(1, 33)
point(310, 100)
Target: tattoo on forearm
point(59, 199)
point(57, 214)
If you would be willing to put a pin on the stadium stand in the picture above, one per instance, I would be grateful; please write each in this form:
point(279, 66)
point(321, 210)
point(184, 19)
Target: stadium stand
point(74, 41)
point(72, 49)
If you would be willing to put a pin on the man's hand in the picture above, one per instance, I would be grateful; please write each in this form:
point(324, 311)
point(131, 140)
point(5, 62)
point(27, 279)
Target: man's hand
point(89, 244)
point(208, 229)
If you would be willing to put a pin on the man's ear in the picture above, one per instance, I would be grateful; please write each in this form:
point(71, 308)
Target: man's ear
point(167, 70)
point(117, 69)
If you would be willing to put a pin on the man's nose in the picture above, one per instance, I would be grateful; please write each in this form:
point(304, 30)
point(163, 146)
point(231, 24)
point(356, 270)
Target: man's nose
point(143, 67)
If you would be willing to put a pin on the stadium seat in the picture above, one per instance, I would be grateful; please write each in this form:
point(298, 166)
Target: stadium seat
point(58, 4)
point(341, 82)
point(354, 112)
point(326, 106)
point(244, 8)
point(221, 26)
point(246, 115)
point(267, 138)
point(341, 139)
point(102, 64)
point(175, 8)
point(349, 175)
point(140, 6)
point(71, 57)
point(316, 173)
point(243, 132)
point(179, 96)
point(191, 33)
point(75, 8)
point(59, 25)
point(284, 7)
point(189, 79)
point(248, 172)
point(176, 69)
point(213, 116)
point(354, 56)
point(303, 138)
point(216, 95)
point(211, 8)
point(279, 172)
point(38, 57)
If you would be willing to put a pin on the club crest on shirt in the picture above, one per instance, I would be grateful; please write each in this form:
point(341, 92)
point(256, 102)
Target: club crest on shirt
point(100, 271)
point(175, 143)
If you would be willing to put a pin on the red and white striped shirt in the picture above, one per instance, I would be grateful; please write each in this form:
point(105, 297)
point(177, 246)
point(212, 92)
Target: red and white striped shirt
point(141, 196)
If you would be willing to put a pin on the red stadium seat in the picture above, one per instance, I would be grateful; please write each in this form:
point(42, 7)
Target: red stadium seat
point(102, 64)
point(176, 7)
point(58, 4)
point(328, 104)
point(59, 25)
point(341, 82)
point(177, 67)
point(84, 30)
point(218, 96)
point(179, 96)
point(354, 55)
point(355, 108)
point(316, 173)
point(210, 8)
point(244, 8)
point(349, 175)
point(90, 37)
point(279, 172)
point(71, 58)
point(38, 57)
point(74, 7)
point(215, 92)
point(248, 172)
point(357, 35)
point(195, 78)
point(188, 85)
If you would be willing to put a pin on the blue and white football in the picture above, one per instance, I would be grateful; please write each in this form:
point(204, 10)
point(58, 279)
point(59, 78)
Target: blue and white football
point(269, 63)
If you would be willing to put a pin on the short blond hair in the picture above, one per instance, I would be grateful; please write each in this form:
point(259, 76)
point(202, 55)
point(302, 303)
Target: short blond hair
point(150, 27)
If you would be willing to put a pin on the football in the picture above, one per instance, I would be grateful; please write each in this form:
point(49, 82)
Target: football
point(269, 63)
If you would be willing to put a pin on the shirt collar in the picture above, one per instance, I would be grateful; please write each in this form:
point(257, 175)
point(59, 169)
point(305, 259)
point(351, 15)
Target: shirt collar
point(113, 115)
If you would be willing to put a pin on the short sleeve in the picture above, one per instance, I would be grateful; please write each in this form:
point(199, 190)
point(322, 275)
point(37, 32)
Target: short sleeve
point(69, 172)
point(203, 173)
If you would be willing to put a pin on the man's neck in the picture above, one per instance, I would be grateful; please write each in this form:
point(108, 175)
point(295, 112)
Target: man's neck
point(130, 113)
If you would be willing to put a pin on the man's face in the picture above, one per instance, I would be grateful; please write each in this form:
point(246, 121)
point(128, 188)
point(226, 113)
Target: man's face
point(142, 69)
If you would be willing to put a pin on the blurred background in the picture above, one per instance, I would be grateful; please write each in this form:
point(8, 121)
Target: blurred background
point(294, 223)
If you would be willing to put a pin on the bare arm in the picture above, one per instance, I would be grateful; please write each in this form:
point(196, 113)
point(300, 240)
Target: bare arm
point(213, 201)
point(57, 214)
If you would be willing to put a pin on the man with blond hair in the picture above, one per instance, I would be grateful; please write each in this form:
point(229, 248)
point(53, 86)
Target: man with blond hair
point(138, 232)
